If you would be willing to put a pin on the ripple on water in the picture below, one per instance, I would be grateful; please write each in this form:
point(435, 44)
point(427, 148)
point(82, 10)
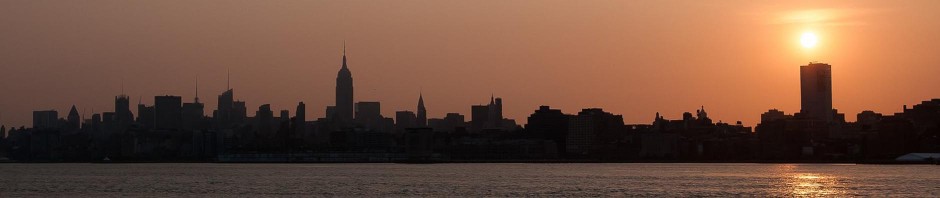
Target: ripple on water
point(502, 180)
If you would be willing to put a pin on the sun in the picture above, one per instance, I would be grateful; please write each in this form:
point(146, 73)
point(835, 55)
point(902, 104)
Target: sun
point(809, 40)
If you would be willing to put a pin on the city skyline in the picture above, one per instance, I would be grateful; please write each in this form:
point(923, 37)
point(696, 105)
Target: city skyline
point(455, 98)
point(637, 70)
point(344, 86)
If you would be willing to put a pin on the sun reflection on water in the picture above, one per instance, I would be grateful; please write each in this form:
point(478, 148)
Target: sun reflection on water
point(796, 180)
point(813, 184)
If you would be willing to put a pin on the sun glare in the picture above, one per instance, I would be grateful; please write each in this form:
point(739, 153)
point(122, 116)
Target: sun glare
point(809, 40)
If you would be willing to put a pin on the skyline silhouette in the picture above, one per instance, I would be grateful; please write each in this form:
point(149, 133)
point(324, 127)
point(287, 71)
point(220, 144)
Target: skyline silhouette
point(344, 94)
point(357, 131)
point(344, 87)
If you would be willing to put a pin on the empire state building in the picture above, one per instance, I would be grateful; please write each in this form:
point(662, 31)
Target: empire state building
point(344, 93)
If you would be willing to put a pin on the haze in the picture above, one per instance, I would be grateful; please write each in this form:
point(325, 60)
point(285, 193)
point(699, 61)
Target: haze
point(636, 58)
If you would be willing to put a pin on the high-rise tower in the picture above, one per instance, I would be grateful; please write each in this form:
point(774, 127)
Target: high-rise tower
point(422, 112)
point(224, 109)
point(74, 120)
point(194, 113)
point(816, 91)
point(122, 111)
point(344, 92)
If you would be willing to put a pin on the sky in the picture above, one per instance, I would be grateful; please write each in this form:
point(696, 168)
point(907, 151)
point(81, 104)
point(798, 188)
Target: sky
point(738, 59)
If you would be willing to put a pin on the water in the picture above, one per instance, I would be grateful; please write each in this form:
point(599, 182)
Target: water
point(500, 180)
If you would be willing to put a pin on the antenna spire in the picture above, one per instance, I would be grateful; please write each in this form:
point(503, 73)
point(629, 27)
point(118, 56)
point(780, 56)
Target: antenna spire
point(344, 53)
point(197, 89)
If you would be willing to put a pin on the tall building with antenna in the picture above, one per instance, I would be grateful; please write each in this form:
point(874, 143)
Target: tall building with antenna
point(344, 92)
point(194, 113)
point(122, 110)
point(123, 117)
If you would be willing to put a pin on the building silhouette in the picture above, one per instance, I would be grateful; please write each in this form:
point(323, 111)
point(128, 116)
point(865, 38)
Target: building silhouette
point(868, 118)
point(495, 117)
point(404, 120)
point(300, 120)
point(816, 91)
point(489, 117)
point(422, 116)
point(330, 113)
point(369, 114)
point(344, 93)
point(224, 109)
point(452, 122)
point(773, 115)
point(193, 115)
point(145, 116)
point(74, 119)
point(96, 122)
point(168, 112)
point(548, 123)
point(48, 119)
point(590, 129)
point(479, 116)
point(239, 112)
point(264, 119)
point(123, 116)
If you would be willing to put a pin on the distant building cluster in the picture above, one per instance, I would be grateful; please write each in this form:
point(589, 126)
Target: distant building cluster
point(173, 130)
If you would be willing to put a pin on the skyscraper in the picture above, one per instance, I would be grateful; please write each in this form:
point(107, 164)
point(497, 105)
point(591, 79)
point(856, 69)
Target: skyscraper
point(193, 115)
point(330, 112)
point(369, 114)
point(73, 119)
point(816, 91)
point(122, 109)
point(488, 116)
point(405, 119)
point(344, 92)
point(145, 116)
point(45, 119)
point(496, 113)
point(265, 119)
point(453, 122)
point(224, 109)
point(479, 114)
point(168, 111)
point(239, 112)
point(422, 112)
point(300, 120)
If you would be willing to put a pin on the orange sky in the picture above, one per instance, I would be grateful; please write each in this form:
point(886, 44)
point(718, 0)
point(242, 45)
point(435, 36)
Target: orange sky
point(635, 58)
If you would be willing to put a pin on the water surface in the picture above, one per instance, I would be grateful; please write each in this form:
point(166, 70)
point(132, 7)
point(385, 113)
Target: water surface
point(501, 180)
